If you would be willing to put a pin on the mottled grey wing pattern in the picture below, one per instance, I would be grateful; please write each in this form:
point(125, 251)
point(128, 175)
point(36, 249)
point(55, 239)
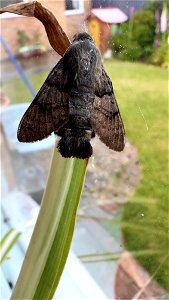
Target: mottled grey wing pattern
point(49, 109)
point(105, 117)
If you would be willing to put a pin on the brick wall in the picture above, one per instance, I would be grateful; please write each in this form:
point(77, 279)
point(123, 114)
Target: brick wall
point(70, 23)
point(76, 23)
point(10, 26)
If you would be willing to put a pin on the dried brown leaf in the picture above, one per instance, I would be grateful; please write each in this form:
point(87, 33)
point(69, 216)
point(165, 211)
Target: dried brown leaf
point(56, 36)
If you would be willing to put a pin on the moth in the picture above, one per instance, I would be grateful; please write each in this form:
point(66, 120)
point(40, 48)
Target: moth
point(76, 102)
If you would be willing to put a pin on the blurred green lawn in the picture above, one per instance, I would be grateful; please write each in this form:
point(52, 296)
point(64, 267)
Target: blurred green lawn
point(141, 91)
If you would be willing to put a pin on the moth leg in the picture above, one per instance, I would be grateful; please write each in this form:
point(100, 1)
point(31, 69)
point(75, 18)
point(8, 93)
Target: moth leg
point(93, 134)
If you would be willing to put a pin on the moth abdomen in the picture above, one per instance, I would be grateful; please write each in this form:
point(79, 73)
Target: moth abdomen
point(75, 142)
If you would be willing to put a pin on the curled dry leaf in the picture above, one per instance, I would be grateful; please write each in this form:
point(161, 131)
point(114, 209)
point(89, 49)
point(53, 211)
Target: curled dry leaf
point(56, 36)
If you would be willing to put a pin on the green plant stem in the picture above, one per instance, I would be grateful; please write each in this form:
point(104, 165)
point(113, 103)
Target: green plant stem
point(51, 239)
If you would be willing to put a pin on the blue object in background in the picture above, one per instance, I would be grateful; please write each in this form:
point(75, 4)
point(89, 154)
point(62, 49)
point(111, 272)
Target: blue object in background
point(17, 66)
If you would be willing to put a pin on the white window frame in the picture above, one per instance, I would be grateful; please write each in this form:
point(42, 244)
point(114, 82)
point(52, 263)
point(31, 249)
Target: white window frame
point(8, 15)
point(78, 11)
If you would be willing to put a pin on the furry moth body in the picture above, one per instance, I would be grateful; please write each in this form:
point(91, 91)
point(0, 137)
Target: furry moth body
point(76, 101)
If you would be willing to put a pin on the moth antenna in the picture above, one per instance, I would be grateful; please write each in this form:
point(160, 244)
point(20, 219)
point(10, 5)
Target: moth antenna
point(84, 27)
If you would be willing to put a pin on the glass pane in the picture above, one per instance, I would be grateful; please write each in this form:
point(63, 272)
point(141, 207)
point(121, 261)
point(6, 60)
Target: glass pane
point(72, 4)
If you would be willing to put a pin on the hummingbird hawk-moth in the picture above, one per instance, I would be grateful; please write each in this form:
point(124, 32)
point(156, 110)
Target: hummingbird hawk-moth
point(76, 101)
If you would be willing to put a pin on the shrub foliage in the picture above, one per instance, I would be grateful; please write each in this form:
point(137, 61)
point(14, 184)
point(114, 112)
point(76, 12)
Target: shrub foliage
point(138, 40)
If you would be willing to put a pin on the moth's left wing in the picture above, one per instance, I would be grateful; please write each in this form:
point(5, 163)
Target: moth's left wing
point(105, 117)
point(49, 109)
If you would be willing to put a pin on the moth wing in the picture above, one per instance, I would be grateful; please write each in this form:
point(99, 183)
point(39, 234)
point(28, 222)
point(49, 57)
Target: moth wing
point(106, 120)
point(49, 109)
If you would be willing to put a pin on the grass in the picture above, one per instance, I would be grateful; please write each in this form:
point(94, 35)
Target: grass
point(18, 92)
point(141, 91)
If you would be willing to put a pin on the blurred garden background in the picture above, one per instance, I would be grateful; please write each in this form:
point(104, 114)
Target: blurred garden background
point(125, 194)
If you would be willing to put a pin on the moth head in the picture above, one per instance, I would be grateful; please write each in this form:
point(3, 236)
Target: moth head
point(82, 36)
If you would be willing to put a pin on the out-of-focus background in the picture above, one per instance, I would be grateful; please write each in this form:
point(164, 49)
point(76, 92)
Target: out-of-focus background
point(121, 237)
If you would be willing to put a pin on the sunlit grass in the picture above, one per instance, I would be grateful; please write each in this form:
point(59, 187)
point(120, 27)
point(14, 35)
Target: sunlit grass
point(141, 91)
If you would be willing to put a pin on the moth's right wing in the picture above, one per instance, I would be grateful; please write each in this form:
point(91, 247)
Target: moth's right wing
point(106, 120)
point(50, 108)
